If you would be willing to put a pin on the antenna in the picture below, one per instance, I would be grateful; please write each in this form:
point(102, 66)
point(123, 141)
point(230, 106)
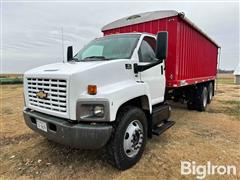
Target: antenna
point(62, 45)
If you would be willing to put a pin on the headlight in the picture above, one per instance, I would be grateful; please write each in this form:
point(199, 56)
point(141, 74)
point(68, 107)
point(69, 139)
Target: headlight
point(99, 111)
point(92, 111)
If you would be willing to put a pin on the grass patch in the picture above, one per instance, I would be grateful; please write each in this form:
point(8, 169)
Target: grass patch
point(225, 80)
point(231, 108)
point(9, 80)
point(7, 111)
point(233, 102)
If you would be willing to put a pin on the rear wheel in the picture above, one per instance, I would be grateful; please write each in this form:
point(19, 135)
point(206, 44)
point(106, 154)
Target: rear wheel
point(191, 105)
point(201, 101)
point(210, 93)
point(129, 139)
point(191, 98)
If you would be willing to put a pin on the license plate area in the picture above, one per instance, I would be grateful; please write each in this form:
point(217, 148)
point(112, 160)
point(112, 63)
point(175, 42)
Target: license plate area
point(41, 125)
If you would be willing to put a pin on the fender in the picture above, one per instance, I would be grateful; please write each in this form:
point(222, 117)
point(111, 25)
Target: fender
point(119, 93)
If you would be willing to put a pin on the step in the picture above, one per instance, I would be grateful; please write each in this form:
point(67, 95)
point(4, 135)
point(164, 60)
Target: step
point(159, 130)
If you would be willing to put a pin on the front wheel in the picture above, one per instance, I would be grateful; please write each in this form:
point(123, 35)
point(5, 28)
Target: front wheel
point(129, 139)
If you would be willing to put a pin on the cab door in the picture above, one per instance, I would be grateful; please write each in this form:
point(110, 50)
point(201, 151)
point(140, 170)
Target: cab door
point(155, 76)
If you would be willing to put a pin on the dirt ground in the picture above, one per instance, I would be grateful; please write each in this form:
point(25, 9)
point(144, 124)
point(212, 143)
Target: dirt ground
point(213, 136)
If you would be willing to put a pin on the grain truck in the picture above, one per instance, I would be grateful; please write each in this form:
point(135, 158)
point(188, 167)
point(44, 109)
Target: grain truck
point(113, 92)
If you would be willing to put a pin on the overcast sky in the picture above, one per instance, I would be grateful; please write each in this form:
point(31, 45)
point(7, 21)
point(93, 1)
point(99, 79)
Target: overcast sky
point(32, 30)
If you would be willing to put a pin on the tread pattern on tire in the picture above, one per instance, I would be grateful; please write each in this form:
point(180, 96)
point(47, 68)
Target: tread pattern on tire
point(199, 100)
point(209, 100)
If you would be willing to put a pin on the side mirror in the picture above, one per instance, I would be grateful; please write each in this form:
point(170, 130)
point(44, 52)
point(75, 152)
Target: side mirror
point(162, 45)
point(69, 53)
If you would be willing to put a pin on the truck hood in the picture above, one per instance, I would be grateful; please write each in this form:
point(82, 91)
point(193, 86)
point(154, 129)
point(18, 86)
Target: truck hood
point(78, 75)
point(63, 69)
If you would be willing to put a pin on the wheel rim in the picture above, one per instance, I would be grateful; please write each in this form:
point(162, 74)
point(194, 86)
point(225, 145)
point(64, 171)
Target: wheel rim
point(210, 93)
point(133, 138)
point(205, 97)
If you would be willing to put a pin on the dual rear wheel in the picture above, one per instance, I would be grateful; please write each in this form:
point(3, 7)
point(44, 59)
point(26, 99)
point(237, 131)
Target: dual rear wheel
point(201, 97)
point(210, 93)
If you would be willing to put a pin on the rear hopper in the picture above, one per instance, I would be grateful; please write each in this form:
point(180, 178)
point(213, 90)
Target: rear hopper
point(192, 55)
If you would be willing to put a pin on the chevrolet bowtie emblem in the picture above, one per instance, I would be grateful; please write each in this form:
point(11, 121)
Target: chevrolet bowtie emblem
point(41, 95)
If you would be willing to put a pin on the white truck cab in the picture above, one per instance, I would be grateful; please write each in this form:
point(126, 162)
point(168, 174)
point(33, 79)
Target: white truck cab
point(111, 93)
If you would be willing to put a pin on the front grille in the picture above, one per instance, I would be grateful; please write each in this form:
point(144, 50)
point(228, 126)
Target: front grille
point(56, 90)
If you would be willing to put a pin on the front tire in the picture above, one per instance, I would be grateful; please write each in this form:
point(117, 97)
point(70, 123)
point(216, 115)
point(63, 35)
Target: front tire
point(129, 139)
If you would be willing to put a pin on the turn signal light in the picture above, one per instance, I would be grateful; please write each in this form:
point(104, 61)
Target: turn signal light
point(92, 89)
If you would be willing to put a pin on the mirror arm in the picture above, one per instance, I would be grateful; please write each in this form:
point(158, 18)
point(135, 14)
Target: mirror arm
point(141, 68)
point(69, 53)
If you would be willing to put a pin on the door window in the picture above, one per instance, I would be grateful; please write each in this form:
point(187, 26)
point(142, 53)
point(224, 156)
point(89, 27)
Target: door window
point(146, 51)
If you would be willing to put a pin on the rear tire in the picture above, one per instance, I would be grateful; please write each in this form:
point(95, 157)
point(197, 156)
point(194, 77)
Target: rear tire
point(191, 105)
point(210, 93)
point(127, 144)
point(201, 101)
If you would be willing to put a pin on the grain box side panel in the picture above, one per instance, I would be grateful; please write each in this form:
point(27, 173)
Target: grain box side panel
point(196, 56)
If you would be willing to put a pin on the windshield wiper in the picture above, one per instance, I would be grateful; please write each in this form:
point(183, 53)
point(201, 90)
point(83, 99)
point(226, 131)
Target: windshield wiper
point(96, 57)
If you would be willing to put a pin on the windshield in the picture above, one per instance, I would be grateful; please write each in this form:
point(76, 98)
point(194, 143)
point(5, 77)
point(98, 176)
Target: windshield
point(109, 47)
